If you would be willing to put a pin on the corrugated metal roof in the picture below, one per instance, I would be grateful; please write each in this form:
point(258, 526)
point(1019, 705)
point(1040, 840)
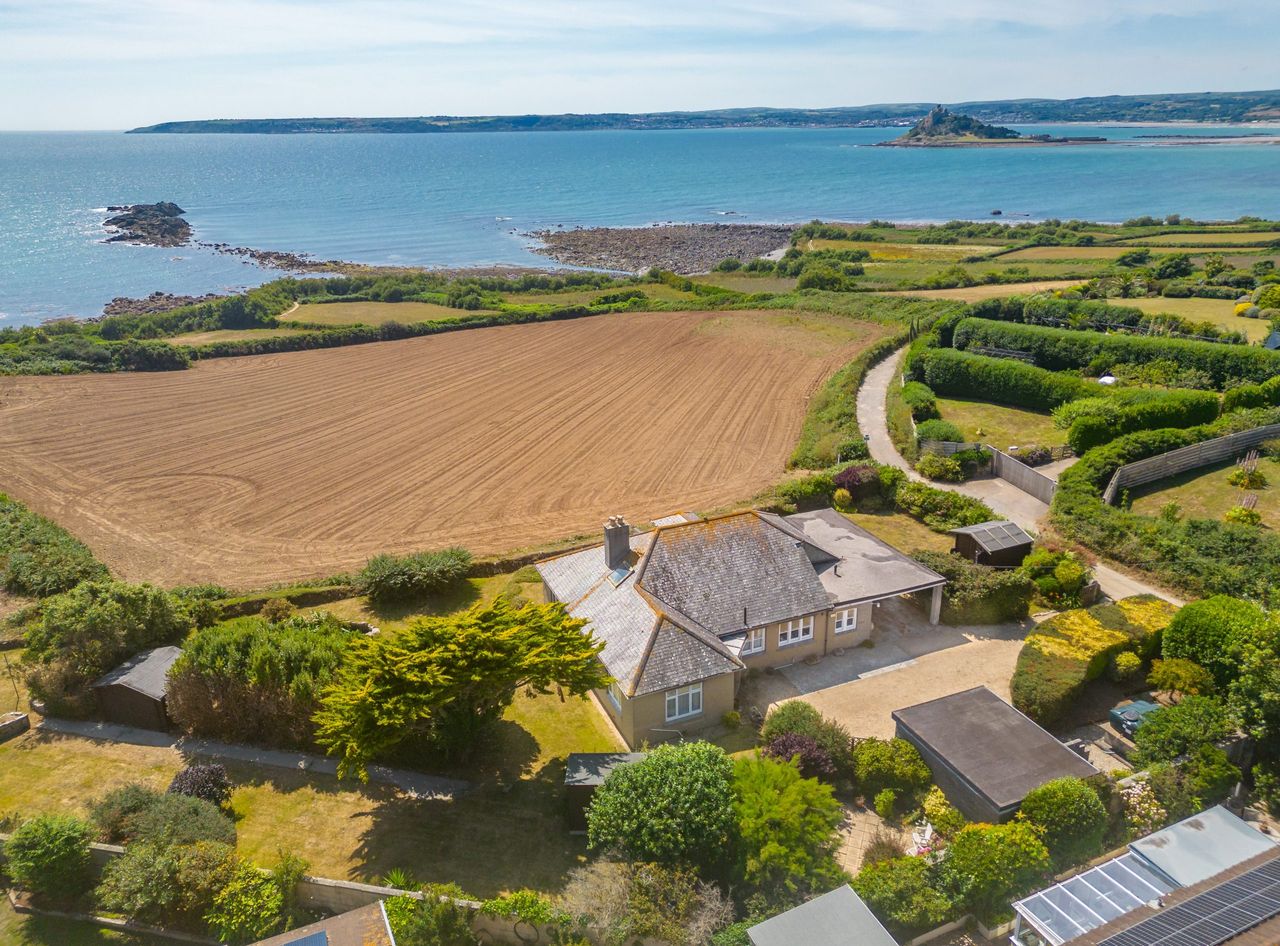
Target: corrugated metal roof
point(1203, 845)
point(145, 673)
point(838, 918)
point(996, 536)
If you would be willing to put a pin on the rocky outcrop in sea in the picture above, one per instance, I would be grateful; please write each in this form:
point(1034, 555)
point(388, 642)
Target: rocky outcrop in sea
point(148, 224)
point(680, 248)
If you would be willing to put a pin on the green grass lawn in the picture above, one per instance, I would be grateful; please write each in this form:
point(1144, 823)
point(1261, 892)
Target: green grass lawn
point(17, 929)
point(1206, 494)
point(374, 313)
point(507, 832)
point(894, 251)
point(909, 273)
point(1218, 311)
point(1001, 426)
point(901, 531)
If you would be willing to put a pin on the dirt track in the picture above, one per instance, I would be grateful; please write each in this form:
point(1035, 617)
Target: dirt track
point(250, 470)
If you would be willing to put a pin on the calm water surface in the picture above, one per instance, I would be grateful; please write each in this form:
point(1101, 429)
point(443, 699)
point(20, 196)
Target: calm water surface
point(460, 199)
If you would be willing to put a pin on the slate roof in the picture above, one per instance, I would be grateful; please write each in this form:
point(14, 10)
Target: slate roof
point(991, 746)
point(837, 918)
point(144, 673)
point(733, 572)
point(995, 536)
point(695, 582)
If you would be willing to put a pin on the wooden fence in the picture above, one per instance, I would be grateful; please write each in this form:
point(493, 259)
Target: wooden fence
point(1027, 479)
point(1182, 459)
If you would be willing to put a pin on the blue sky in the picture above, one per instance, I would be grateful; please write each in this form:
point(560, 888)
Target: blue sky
point(87, 64)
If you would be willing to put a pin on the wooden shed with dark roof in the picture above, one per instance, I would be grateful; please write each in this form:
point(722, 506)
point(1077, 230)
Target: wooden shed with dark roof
point(135, 693)
point(999, 543)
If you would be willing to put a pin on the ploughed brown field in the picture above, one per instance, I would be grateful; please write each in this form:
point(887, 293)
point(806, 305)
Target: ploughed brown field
point(246, 471)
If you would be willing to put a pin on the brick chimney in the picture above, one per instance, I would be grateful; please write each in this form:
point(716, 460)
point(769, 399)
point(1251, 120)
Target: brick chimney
point(617, 543)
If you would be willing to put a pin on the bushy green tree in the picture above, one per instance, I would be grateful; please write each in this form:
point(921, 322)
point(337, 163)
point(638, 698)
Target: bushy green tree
point(905, 894)
point(170, 884)
point(388, 579)
point(443, 680)
point(796, 717)
point(787, 831)
point(1208, 631)
point(137, 813)
point(49, 855)
point(438, 919)
point(675, 806)
point(1172, 731)
point(1180, 676)
point(86, 631)
point(889, 763)
point(988, 865)
point(247, 909)
point(1072, 818)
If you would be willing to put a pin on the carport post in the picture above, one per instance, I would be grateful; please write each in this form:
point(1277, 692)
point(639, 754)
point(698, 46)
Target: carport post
point(935, 607)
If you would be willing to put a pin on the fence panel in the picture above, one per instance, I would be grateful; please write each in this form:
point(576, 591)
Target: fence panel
point(946, 447)
point(1177, 461)
point(1027, 479)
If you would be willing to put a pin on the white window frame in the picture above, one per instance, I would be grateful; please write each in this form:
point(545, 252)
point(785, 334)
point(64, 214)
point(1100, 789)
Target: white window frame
point(754, 642)
point(796, 632)
point(846, 620)
point(615, 696)
point(691, 695)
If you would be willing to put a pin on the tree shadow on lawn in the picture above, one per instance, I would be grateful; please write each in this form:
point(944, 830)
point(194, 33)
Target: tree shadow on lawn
point(493, 839)
point(458, 598)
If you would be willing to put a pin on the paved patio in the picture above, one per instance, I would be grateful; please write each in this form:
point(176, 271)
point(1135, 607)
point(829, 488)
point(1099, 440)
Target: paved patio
point(860, 828)
point(908, 662)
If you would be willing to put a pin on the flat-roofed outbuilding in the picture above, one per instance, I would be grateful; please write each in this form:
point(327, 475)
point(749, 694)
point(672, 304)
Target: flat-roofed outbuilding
point(985, 755)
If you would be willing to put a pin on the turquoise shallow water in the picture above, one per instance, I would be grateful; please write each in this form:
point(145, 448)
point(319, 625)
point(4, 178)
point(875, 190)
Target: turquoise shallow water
point(459, 199)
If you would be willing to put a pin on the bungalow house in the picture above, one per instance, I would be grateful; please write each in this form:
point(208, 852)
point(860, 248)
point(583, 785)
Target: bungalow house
point(687, 608)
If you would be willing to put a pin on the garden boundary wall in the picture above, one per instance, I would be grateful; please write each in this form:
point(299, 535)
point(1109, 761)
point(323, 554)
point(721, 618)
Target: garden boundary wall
point(1177, 461)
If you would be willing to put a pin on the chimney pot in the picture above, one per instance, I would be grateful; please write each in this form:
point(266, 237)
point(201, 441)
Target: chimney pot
point(617, 543)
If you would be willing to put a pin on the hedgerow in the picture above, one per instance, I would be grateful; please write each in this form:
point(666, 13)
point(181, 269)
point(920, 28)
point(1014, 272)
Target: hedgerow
point(1175, 408)
point(39, 558)
point(977, 594)
point(1001, 380)
point(1067, 651)
point(1066, 349)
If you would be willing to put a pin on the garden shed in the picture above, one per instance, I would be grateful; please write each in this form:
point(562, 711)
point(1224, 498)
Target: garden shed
point(584, 773)
point(999, 543)
point(134, 693)
point(985, 755)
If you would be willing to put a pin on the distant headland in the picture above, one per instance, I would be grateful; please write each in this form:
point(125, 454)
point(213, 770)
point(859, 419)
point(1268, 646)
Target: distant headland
point(942, 128)
point(1218, 107)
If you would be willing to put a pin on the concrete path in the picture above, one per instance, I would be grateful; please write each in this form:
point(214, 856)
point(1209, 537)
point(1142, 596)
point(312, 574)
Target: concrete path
point(417, 784)
point(1005, 498)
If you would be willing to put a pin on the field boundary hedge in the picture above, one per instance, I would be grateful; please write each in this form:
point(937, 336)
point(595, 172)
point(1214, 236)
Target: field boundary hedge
point(1068, 349)
point(38, 557)
point(1181, 459)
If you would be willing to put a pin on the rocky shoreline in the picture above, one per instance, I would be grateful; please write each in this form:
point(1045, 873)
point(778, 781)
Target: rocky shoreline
point(680, 248)
point(156, 302)
point(148, 224)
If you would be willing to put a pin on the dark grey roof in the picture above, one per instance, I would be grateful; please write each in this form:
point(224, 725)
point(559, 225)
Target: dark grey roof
point(145, 673)
point(996, 536)
point(732, 572)
point(592, 768)
point(991, 746)
point(679, 656)
point(864, 568)
point(1272, 341)
point(838, 918)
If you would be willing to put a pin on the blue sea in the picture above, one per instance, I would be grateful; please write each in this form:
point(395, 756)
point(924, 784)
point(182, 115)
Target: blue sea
point(464, 199)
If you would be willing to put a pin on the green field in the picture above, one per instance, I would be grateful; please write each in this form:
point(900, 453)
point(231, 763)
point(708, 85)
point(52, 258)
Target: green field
point(1067, 253)
point(1219, 311)
point(984, 291)
point(1001, 426)
point(374, 313)
point(658, 291)
point(1219, 238)
point(910, 273)
point(1206, 494)
point(748, 282)
point(894, 251)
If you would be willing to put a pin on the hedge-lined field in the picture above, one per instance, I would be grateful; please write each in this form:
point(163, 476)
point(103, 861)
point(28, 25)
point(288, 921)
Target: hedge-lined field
point(38, 557)
point(1069, 650)
point(1067, 349)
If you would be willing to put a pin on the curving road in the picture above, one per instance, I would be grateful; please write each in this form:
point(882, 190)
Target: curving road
point(1005, 498)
